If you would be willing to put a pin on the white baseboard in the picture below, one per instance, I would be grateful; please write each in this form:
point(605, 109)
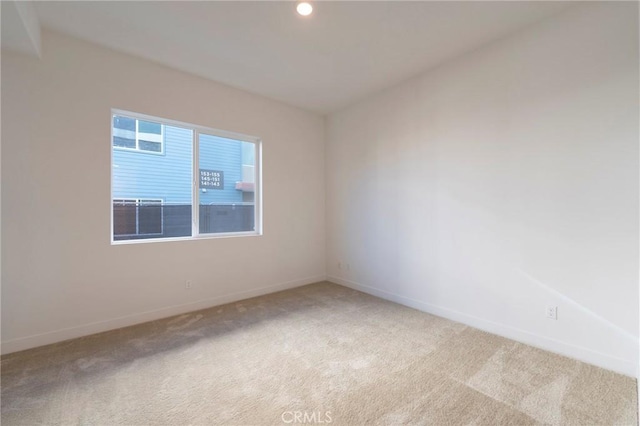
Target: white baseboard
point(619, 365)
point(42, 339)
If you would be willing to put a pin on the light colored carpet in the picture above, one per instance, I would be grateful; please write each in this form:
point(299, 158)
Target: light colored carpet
point(320, 354)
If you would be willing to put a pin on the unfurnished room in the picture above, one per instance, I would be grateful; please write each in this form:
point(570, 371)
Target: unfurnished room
point(322, 212)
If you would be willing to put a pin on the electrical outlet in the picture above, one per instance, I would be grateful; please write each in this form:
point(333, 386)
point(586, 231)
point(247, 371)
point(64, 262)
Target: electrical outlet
point(188, 284)
point(339, 265)
point(552, 312)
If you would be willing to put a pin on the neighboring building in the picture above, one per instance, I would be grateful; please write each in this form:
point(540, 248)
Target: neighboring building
point(152, 176)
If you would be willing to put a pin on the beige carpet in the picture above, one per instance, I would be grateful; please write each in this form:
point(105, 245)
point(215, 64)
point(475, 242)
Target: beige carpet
point(319, 354)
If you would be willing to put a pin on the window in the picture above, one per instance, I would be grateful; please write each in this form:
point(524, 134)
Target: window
point(201, 182)
point(139, 135)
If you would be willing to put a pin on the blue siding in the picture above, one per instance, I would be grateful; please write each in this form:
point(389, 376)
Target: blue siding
point(165, 176)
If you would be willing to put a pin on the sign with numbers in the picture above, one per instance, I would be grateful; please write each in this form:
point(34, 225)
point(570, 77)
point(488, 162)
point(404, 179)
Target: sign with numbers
point(211, 179)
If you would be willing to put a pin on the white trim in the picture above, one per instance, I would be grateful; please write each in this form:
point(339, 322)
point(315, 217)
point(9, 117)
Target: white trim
point(111, 225)
point(55, 336)
point(587, 355)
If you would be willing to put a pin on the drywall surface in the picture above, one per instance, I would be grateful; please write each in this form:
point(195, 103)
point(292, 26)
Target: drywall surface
point(500, 183)
point(61, 277)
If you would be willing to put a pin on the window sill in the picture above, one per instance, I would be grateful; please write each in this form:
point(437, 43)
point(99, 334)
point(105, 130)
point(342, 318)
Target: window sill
point(199, 237)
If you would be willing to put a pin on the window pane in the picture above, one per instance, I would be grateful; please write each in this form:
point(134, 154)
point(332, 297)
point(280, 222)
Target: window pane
point(124, 217)
point(150, 217)
point(124, 142)
point(161, 186)
point(150, 146)
point(149, 127)
point(226, 185)
point(124, 123)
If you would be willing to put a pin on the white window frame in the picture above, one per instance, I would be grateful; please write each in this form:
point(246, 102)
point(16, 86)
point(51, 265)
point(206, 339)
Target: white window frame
point(195, 193)
point(137, 137)
point(141, 202)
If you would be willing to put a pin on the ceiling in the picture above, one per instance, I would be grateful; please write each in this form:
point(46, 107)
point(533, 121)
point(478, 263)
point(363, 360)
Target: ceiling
point(344, 51)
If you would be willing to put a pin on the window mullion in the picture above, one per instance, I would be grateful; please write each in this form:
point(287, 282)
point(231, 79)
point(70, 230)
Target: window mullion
point(195, 202)
point(137, 217)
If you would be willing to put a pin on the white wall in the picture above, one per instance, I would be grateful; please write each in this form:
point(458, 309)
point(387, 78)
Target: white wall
point(61, 278)
point(501, 182)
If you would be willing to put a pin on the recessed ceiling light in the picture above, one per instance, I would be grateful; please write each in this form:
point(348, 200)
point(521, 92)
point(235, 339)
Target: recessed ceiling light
point(304, 8)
